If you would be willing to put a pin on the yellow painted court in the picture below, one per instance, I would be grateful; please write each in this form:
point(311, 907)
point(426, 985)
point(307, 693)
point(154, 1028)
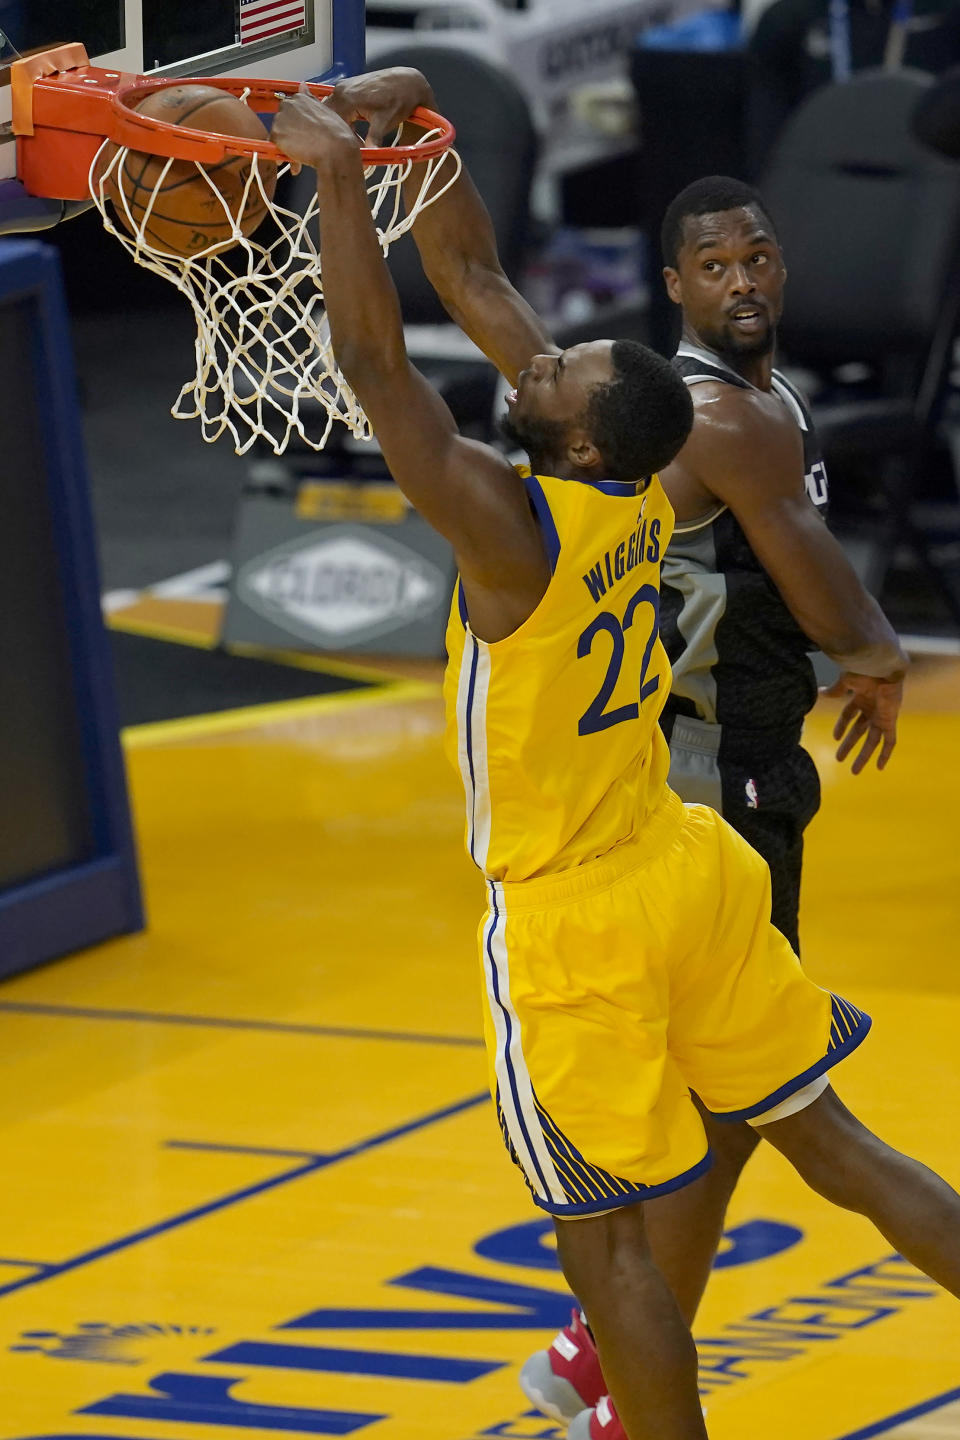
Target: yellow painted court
point(252, 1182)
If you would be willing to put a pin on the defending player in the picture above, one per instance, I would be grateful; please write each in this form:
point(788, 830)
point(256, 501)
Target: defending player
point(617, 917)
point(753, 579)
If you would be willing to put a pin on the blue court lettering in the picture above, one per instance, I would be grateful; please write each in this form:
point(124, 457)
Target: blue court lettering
point(531, 1425)
point(826, 1312)
point(730, 1357)
point(787, 1331)
point(529, 1307)
point(530, 1244)
point(892, 1278)
point(493, 1304)
point(755, 1240)
point(443, 1368)
point(206, 1400)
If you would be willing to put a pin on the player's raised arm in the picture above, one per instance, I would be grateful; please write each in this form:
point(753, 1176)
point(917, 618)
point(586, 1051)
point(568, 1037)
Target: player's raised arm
point(745, 451)
point(465, 490)
point(454, 235)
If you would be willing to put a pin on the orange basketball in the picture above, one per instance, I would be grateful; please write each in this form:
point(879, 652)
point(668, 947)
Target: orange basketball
point(188, 214)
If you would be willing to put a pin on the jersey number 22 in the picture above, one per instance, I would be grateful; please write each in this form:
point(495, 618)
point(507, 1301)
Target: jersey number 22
point(597, 716)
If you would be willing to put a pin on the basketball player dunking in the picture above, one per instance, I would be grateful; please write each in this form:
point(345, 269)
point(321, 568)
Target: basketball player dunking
point(751, 579)
point(627, 953)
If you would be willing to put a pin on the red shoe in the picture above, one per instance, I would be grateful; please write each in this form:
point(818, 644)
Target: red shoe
point(600, 1423)
point(566, 1379)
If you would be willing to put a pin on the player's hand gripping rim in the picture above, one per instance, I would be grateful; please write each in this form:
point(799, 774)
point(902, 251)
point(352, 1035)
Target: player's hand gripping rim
point(309, 131)
point(383, 100)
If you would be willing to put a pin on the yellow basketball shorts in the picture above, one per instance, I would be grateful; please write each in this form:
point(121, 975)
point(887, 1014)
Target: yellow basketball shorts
point(617, 988)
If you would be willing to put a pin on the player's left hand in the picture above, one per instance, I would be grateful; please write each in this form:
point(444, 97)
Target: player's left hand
point(308, 131)
point(870, 715)
point(384, 98)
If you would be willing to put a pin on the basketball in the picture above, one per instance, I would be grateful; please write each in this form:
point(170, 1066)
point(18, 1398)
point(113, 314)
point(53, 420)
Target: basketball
point(196, 205)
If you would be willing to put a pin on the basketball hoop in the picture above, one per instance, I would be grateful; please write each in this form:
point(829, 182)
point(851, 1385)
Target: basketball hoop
point(263, 345)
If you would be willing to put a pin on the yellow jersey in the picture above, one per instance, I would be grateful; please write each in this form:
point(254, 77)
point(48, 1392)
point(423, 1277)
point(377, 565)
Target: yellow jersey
point(554, 729)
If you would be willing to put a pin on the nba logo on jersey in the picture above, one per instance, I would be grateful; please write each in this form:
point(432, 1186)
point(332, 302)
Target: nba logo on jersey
point(751, 792)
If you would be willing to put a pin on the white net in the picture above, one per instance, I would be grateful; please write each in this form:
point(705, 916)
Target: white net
point(265, 366)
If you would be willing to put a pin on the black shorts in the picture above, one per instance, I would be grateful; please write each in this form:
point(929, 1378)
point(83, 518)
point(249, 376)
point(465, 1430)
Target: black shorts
point(769, 798)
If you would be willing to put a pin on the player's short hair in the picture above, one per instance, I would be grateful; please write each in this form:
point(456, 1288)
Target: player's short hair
point(641, 418)
point(706, 196)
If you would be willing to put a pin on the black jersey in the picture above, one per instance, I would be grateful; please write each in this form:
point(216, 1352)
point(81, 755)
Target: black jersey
point(739, 658)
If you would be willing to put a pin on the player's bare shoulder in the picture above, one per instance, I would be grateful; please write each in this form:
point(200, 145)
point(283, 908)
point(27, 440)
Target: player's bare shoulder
point(741, 439)
point(738, 414)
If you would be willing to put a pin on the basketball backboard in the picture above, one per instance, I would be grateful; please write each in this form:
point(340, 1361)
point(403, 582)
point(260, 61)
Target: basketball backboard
point(279, 39)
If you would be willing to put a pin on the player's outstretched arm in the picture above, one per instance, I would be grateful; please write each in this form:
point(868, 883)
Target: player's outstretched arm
point(454, 235)
point(467, 491)
point(749, 455)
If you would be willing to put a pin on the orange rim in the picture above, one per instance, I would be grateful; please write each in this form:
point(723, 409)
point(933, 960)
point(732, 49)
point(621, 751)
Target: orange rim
point(159, 137)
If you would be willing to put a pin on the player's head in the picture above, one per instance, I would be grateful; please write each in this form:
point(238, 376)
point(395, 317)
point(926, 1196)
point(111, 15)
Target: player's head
point(723, 266)
point(605, 410)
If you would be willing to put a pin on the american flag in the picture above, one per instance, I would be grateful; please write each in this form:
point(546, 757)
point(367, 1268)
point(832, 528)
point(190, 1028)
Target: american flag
point(259, 19)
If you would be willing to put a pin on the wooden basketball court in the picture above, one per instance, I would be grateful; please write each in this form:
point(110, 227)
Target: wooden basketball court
point(254, 1184)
